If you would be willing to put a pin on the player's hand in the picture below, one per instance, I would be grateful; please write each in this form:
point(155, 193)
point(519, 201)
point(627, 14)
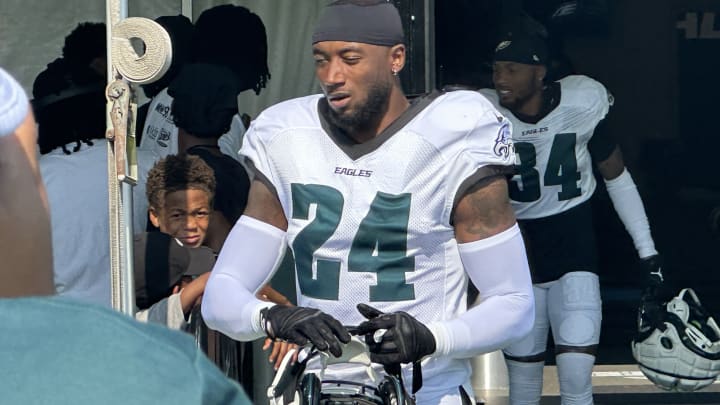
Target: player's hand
point(267, 293)
point(301, 325)
point(279, 350)
point(654, 288)
point(192, 293)
point(653, 267)
point(654, 294)
point(405, 339)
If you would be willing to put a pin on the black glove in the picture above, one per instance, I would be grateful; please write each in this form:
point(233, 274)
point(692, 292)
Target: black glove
point(654, 294)
point(301, 325)
point(654, 281)
point(651, 314)
point(653, 267)
point(406, 340)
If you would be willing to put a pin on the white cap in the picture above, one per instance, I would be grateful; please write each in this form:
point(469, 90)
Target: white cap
point(14, 104)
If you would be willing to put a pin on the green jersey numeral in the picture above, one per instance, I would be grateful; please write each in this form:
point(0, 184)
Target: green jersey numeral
point(529, 177)
point(561, 170)
point(379, 245)
point(328, 207)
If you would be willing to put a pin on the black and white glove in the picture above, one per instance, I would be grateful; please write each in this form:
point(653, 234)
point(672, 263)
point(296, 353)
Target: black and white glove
point(654, 288)
point(405, 339)
point(653, 267)
point(301, 325)
point(654, 294)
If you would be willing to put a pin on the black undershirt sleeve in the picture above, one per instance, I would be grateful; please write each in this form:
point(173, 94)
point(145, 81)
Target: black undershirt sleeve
point(602, 144)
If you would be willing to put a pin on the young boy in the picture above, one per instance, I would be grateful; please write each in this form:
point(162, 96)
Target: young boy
point(180, 191)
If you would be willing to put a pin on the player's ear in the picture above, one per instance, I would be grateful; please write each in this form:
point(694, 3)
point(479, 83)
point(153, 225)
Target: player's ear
point(541, 73)
point(397, 58)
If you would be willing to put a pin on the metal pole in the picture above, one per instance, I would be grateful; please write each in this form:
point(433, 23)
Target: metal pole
point(187, 9)
point(127, 181)
point(119, 189)
point(127, 274)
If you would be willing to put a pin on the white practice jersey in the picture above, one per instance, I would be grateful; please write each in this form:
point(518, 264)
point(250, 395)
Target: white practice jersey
point(371, 222)
point(554, 165)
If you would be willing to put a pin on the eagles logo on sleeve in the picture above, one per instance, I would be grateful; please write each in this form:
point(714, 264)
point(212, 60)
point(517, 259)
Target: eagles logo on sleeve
point(503, 142)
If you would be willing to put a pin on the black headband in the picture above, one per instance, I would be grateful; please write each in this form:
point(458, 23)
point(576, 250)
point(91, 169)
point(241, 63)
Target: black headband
point(376, 24)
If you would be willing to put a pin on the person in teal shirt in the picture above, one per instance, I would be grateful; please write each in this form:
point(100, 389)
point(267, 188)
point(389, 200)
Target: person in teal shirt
point(57, 351)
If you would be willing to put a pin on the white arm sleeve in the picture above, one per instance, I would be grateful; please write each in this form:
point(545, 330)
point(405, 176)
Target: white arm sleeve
point(499, 269)
point(252, 252)
point(629, 206)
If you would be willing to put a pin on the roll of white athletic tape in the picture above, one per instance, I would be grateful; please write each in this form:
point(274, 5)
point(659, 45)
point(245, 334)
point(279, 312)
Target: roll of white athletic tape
point(140, 66)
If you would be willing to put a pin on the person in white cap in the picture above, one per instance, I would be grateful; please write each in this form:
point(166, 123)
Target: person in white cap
point(94, 355)
point(23, 203)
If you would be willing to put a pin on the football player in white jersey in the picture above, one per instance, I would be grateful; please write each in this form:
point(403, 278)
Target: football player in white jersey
point(388, 207)
point(558, 136)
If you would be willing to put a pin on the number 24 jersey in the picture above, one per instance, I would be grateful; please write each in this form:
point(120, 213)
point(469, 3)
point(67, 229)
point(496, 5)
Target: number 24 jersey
point(371, 222)
point(554, 164)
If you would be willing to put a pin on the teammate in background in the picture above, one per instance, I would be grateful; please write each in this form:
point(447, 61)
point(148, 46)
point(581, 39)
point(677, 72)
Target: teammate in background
point(384, 203)
point(558, 133)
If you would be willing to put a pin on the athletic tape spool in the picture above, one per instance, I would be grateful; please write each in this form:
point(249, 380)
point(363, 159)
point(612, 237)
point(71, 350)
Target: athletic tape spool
point(154, 63)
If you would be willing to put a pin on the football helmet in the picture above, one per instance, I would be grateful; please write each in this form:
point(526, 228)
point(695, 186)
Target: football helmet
point(678, 343)
point(292, 386)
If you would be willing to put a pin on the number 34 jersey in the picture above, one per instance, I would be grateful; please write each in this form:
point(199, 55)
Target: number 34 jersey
point(371, 222)
point(554, 164)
